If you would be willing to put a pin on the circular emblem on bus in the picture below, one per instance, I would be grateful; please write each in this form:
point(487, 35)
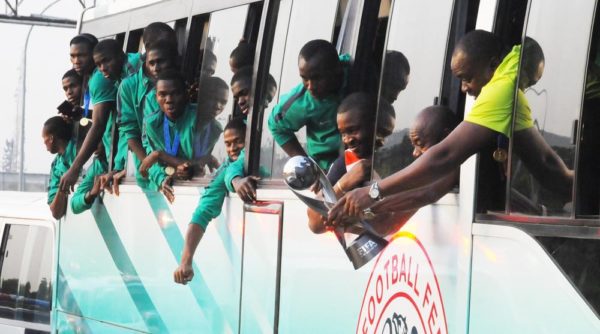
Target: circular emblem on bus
point(403, 295)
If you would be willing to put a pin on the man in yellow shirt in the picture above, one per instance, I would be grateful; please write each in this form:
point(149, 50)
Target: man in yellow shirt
point(490, 75)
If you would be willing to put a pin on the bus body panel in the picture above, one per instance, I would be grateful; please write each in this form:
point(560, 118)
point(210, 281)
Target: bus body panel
point(123, 254)
point(517, 287)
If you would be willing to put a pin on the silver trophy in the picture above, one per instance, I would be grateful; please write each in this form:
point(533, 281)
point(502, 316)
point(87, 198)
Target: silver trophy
point(300, 173)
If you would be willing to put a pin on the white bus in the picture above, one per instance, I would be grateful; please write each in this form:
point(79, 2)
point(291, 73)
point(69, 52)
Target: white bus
point(512, 258)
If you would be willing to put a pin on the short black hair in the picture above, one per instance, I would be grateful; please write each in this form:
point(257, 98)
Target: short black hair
point(236, 124)
point(85, 38)
point(244, 73)
point(533, 55)
point(172, 75)
point(322, 50)
point(74, 75)
point(208, 84)
point(396, 69)
point(363, 102)
point(156, 31)
point(243, 54)
point(164, 45)
point(109, 47)
point(481, 46)
point(59, 128)
point(441, 118)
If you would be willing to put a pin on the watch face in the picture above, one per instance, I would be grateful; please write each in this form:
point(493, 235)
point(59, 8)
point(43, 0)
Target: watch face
point(374, 191)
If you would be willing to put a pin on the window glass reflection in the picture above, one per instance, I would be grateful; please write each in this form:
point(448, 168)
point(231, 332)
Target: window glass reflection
point(25, 279)
point(411, 74)
point(551, 85)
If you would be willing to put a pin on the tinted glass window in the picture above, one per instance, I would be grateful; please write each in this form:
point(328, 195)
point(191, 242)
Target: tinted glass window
point(412, 74)
point(216, 102)
point(551, 82)
point(26, 274)
point(294, 29)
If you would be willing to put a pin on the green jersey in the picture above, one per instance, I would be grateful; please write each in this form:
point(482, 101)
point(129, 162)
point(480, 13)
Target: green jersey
point(298, 109)
point(210, 204)
point(104, 90)
point(162, 137)
point(130, 107)
point(78, 203)
point(60, 165)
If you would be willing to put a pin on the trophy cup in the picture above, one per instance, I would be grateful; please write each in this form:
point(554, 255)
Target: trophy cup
point(300, 173)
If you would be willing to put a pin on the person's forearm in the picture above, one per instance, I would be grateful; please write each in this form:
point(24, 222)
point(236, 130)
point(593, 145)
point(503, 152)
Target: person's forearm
point(192, 239)
point(293, 148)
point(416, 198)
point(430, 166)
point(94, 136)
point(135, 145)
point(170, 160)
point(58, 207)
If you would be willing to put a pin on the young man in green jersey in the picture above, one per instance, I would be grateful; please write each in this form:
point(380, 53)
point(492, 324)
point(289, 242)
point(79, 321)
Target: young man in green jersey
point(57, 136)
point(313, 104)
point(229, 177)
point(170, 134)
point(112, 65)
point(131, 103)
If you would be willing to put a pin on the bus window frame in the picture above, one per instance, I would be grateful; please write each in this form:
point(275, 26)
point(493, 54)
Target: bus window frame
point(202, 10)
point(574, 225)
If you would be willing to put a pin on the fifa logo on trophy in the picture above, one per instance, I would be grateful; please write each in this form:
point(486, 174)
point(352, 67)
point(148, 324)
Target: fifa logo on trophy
point(300, 173)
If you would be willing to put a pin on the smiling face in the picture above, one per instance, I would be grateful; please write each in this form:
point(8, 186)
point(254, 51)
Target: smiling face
point(319, 78)
point(355, 134)
point(241, 94)
point(72, 88)
point(171, 98)
point(81, 58)
point(157, 60)
point(234, 142)
point(473, 75)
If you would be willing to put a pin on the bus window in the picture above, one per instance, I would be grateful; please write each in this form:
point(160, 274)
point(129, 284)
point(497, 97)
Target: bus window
point(26, 274)
point(294, 29)
point(587, 196)
point(551, 82)
point(415, 80)
point(134, 41)
point(491, 180)
point(216, 103)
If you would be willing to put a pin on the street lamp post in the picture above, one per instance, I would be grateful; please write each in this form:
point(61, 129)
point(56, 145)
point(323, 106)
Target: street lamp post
point(23, 95)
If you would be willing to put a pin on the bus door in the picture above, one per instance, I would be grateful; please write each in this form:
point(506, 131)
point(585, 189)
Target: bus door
point(26, 276)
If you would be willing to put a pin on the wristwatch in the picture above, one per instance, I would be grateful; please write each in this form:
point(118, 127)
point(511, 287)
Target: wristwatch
point(374, 192)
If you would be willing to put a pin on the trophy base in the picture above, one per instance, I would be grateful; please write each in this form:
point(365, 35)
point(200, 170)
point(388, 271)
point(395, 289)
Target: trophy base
point(364, 248)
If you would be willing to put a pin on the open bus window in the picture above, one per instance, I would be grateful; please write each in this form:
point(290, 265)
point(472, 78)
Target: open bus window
point(294, 29)
point(551, 82)
point(26, 274)
point(411, 74)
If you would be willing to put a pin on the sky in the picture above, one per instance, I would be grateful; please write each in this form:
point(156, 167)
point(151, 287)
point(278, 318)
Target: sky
point(47, 60)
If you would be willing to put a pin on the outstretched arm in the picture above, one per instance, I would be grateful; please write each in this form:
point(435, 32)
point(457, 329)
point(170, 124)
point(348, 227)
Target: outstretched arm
point(449, 154)
point(99, 120)
point(58, 206)
point(419, 197)
point(185, 272)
